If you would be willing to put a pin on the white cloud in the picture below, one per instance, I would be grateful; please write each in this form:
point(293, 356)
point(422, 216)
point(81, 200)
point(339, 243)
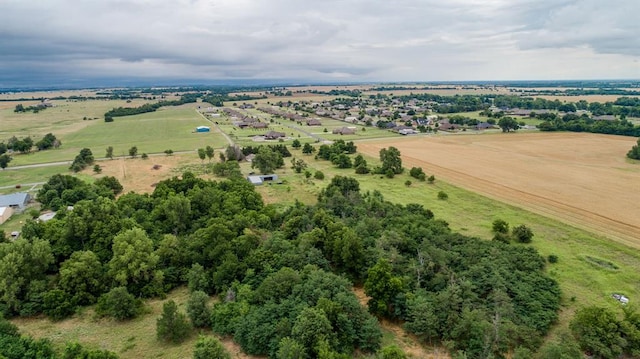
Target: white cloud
point(406, 40)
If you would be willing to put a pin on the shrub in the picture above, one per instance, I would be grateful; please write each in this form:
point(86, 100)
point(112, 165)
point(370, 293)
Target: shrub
point(443, 196)
point(407, 183)
point(392, 352)
point(500, 226)
point(318, 175)
point(522, 234)
point(210, 348)
point(552, 258)
point(172, 326)
point(198, 310)
point(119, 304)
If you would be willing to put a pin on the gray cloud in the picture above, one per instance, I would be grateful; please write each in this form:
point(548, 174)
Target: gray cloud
point(352, 40)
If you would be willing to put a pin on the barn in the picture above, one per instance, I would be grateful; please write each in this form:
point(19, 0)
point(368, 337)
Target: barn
point(202, 129)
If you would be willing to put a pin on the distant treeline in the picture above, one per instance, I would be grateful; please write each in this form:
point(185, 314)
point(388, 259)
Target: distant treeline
point(148, 107)
point(219, 98)
point(574, 123)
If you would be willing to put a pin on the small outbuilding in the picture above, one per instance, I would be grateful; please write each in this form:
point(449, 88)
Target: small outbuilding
point(5, 214)
point(17, 201)
point(202, 129)
point(258, 180)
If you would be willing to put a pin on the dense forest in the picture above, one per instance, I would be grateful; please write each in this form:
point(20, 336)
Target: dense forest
point(285, 276)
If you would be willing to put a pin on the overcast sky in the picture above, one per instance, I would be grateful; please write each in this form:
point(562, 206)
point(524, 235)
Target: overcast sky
point(319, 40)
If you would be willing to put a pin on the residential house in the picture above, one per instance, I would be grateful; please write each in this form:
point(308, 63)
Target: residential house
point(314, 122)
point(344, 131)
point(259, 125)
point(274, 135)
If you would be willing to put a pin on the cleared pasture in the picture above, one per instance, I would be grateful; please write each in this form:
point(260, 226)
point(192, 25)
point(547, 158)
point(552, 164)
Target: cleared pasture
point(168, 128)
point(581, 179)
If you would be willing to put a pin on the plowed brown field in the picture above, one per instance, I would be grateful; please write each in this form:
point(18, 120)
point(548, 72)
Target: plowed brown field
point(581, 179)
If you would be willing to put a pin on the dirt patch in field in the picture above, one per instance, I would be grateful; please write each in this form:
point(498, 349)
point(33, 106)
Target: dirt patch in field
point(581, 179)
point(138, 175)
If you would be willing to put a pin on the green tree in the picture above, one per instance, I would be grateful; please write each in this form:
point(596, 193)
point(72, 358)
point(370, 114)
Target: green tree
point(383, 287)
point(296, 144)
point(134, 262)
point(342, 161)
point(97, 168)
point(57, 304)
point(443, 196)
point(82, 160)
point(598, 332)
point(133, 151)
point(197, 309)
point(168, 152)
point(431, 179)
point(267, 160)
point(417, 173)
point(522, 233)
point(21, 263)
point(298, 165)
point(391, 161)
point(318, 175)
point(311, 327)
point(210, 348)
point(172, 326)
point(4, 160)
point(144, 156)
point(82, 277)
point(500, 226)
point(109, 152)
point(290, 349)
point(202, 154)
point(508, 124)
point(634, 152)
point(209, 152)
point(118, 303)
point(308, 149)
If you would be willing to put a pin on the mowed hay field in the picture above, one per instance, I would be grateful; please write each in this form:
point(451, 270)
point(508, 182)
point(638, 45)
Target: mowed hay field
point(581, 179)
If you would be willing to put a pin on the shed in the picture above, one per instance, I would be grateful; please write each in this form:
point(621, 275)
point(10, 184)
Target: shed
point(202, 129)
point(5, 214)
point(17, 201)
point(257, 180)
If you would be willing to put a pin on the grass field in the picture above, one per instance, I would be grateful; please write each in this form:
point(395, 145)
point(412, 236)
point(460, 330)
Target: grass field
point(29, 175)
point(167, 128)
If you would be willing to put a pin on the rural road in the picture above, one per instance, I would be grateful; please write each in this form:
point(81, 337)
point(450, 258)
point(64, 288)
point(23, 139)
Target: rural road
point(231, 143)
point(62, 163)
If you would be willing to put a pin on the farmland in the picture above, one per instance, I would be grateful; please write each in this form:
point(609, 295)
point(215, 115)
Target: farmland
point(582, 179)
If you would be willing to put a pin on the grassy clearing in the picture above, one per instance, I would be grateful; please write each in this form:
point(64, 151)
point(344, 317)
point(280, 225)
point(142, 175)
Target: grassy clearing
point(167, 128)
point(29, 175)
point(131, 339)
